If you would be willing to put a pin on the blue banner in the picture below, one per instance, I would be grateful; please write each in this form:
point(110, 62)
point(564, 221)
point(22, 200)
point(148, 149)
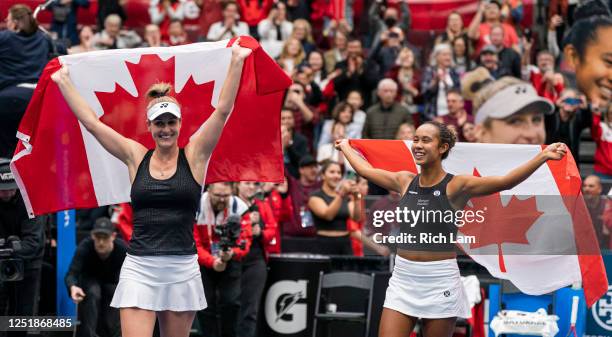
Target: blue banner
point(66, 245)
point(599, 316)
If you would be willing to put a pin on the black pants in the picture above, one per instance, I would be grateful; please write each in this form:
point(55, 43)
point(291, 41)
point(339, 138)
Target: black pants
point(222, 290)
point(334, 245)
point(253, 282)
point(13, 103)
point(95, 312)
point(20, 298)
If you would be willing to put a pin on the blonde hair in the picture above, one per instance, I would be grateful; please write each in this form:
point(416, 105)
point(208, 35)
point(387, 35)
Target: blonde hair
point(160, 92)
point(285, 52)
point(307, 27)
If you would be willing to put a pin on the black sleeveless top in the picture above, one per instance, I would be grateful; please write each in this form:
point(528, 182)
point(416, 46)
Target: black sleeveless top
point(436, 218)
point(164, 210)
point(339, 221)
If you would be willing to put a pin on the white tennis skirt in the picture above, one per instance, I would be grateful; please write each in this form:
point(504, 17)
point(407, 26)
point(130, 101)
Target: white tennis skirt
point(159, 283)
point(427, 289)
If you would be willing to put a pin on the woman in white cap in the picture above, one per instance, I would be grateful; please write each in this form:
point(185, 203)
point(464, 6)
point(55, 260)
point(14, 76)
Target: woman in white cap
point(509, 111)
point(160, 277)
point(426, 282)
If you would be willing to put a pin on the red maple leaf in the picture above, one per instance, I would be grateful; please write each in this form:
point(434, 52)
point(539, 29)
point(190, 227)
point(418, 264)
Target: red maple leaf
point(126, 114)
point(501, 224)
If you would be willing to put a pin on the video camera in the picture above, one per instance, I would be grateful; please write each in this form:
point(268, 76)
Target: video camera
point(229, 233)
point(11, 269)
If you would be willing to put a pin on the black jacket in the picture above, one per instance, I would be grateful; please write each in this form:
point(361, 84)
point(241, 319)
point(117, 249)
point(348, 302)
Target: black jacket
point(14, 221)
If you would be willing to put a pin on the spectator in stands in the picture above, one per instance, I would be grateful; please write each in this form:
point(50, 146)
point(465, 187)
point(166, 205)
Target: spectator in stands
point(512, 12)
point(152, 37)
point(85, 41)
point(163, 12)
point(408, 79)
point(254, 264)
point(253, 12)
point(24, 51)
point(405, 132)
point(387, 49)
point(177, 34)
point(390, 18)
point(230, 26)
point(298, 9)
point(454, 29)
point(221, 266)
point(508, 57)
point(108, 7)
point(490, 13)
point(596, 203)
point(295, 198)
point(384, 117)
point(469, 133)
point(355, 99)
point(337, 201)
point(93, 277)
point(302, 31)
point(275, 30)
point(457, 116)
point(64, 19)
point(343, 114)
point(547, 82)
point(462, 56)
point(356, 73)
point(316, 62)
point(509, 111)
point(295, 146)
point(337, 53)
point(489, 58)
point(601, 131)
point(572, 115)
point(20, 298)
point(113, 37)
point(327, 152)
point(304, 116)
point(437, 80)
point(292, 55)
point(305, 76)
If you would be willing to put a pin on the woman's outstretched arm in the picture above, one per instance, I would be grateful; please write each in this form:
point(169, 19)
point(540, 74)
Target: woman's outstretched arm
point(392, 181)
point(203, 142)
point(469, 186)
point(121, 147)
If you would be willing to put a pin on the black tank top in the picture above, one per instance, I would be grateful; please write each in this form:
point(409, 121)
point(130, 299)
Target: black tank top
point(339, 221)
point(164, 210)
point(436, 218)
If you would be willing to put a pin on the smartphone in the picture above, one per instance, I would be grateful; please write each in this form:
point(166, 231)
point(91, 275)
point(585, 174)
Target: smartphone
point(572, 101)
point(350, 175)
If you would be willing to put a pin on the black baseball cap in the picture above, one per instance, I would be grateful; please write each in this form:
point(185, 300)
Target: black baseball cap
point(7, 180)
point(103, 225)
point(307, 160)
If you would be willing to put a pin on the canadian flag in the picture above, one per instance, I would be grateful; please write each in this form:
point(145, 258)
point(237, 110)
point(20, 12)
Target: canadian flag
point(538, 234)
point(59, 165)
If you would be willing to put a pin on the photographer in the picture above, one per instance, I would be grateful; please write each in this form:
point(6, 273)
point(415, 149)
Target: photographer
point(93, 277)
point(19, 297)
point(254, 267)
point(223, 237)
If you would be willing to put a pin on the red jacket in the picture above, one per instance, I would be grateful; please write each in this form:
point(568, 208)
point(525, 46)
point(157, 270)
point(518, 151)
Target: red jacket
point(602, 135)
point(204, 235)
point(254, 11)
point(271, 233)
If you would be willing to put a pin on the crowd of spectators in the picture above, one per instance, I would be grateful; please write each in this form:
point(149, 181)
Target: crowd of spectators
point(348, 82)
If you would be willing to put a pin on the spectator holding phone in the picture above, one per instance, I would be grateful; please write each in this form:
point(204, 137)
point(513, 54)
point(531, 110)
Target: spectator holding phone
point(571, 116)
point(488, 15)
point(230, 26)
point(547, 82)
